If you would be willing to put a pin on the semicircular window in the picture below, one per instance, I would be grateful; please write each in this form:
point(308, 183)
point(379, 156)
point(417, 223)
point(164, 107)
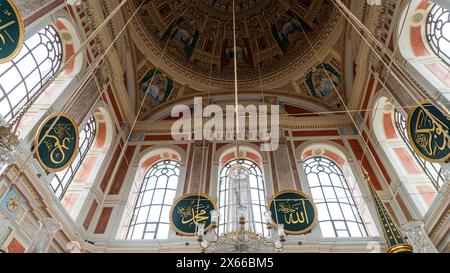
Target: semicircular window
point(438, 32)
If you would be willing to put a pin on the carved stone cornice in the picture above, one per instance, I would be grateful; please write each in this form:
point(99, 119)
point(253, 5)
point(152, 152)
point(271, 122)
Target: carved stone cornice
point(308, 123)
point(256, 96)
point(363, 58)
point(113, 64)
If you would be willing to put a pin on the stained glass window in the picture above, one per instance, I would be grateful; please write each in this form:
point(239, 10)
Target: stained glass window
point(22, 77)
point(151, 213)
point(257, 194)
point(338, 215)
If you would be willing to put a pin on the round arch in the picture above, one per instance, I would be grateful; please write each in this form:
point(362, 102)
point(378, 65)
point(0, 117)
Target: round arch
point(414, 48)
point(341, 157)
point(147, 158)
point(415, 175)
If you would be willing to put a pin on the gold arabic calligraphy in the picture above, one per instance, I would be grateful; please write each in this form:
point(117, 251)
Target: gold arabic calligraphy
point(4, 34)
point(430, 134)
point(294, 213)
point(62, 138)
point(193, 214)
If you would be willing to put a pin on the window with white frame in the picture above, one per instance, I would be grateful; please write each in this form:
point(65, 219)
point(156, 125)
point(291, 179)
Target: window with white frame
point(62, 179)
point(338, 215)
point(438, 32)
point(257, 190)
point(151, 213)
point(22, 77)
point(432, 170)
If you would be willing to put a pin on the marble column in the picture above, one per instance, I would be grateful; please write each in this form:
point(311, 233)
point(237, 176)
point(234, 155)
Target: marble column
point(416, 235)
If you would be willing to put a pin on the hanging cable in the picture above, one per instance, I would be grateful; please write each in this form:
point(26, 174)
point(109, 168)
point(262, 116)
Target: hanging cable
point(122, 152)
point(343, 9)
point(342, 100)
point(72, 99)
point(15, 123)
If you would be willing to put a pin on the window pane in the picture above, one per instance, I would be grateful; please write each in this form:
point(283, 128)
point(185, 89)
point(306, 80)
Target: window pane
point(335, 206)
point(257, 192)
point(438, 32)
point(44, 46)
point(65, 177)
point(142, 215)
point(432, 170)
point(327, 229)
point(163, 231)
point(158, 214)
point(158, 197)
point(165, 214)
point(170, 196)
point(322, 212)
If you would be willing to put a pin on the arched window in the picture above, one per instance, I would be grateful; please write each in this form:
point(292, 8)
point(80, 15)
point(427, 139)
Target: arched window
point(438, 32)
point(432, 170)
point(338, 214)
point(257, 194)
point(151, 213)
point(22, 77)
point(61, 181)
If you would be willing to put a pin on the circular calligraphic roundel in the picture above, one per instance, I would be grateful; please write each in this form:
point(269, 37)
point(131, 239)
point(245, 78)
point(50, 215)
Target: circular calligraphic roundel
point(295, 210)
point(428, 131)
point(11, 31)
point(190, 210)
point(57, 141)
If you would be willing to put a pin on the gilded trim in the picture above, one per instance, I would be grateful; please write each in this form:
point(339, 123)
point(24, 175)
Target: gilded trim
point(209, 198)
point(21, 34)
point(36, 141)
point(403, 248)
point(408, 126)
point(271, 199)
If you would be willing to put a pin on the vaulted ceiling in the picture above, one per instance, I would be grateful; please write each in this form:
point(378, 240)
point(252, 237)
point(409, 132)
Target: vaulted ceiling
point(290, 48)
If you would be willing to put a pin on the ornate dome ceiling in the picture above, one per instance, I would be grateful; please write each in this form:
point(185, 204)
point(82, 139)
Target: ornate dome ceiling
point(197, 34)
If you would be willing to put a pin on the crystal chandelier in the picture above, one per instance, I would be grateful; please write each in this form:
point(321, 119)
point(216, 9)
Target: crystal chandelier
point(8, 145)
point(239, 232)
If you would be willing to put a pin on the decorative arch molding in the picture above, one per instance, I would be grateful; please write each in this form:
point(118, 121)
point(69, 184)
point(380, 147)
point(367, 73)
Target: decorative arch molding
point(225, 153)
point(229, 153)
point(71, 40)
point(56, 94)
point(415, 51)
point(105, 127)
point(412, 175)
point(307, 102)
point(149, 154)
point(82, 188)
point(51, 18)
point(147, 158)
point(302, 151)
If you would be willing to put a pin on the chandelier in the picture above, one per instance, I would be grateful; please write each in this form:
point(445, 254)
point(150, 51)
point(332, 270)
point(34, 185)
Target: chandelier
point(8, 145)
point(239, 234)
